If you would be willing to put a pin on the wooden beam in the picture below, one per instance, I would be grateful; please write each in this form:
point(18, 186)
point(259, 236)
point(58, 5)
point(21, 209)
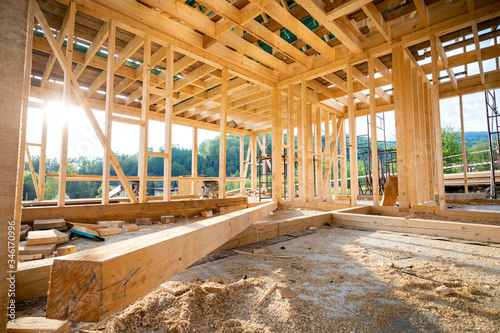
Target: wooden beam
point(301, 136)
point(61, 195)
point(43, 156)
point(478, 52)
point(108, 120)
point(373, 129)
point(144, 133)
point(378, 20)
point(194, 161)
point(437, 124)
point(290, 141)
point(423, 12)
point(223, 133)
point(353, 145)
point(464, 150)
point(346, 8)
point(82, 100)
point(444, 59)
point(277, 150)
point(169, 100)
point(343, 34)
point(93, 48)
point(113, 274)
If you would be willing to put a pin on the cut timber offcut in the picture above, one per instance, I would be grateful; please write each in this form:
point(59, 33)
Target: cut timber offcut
point(109, 231)
point(166, 219)
point(61, 237)
point(65, 250)
point(48, 224)
point(41, 237)
point(93, 284)
point(143, 221)
point(111, 224)
point(26, 257)
point(38, 324)
point(130, 227)
point(391, 192)
point(175, 288)
point(45, 249)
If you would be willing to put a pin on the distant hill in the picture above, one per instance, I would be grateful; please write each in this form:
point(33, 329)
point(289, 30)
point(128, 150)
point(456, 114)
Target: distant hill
point(471, 138)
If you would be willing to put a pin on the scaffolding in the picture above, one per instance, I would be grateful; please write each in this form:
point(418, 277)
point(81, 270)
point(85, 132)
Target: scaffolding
point(492, 116)
point(386, 159)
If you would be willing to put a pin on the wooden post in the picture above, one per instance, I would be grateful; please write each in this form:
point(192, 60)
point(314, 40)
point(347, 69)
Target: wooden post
point(343, 161)
point(108, 122)
point(373, 125)
point(464, 151)
point(429, 133)
point(319, 154)
point(13, 23)
point(143, 145)
point(409, 131)
point(43, 156)
point(301, 140)
point(169, 100)
point(242, 163)
point(424, 138)
point(437, 123)
point(353, 145)
point(399, 107)
point(290, 140)
point(194, 161)
point(253, 162)
point(335, 135)
point(277, 163)
point(67, 105)
point(328, 160)
point(22, 134)
point(418, 140)
point(223, 132)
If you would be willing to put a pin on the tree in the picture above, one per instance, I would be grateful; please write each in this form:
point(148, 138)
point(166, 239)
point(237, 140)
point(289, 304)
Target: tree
point(452, 148)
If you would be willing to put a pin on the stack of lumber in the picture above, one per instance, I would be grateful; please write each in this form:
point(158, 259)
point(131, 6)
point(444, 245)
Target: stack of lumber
point(43, 240)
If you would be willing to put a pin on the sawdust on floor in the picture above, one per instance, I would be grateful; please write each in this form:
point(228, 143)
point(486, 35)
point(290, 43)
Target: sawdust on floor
point(345, 280)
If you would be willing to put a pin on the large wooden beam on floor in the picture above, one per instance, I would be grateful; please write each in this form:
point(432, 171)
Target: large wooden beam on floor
point(468, 231)
point(92, 285)
point(13, 23)
point(89, 213)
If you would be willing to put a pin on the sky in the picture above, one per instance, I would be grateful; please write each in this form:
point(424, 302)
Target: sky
point(125, 137)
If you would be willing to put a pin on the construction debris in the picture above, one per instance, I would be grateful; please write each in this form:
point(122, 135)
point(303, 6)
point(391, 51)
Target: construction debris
point(143, 221)
point(89, 233)
point(45, 249)
point(130, 227)
point(61, 237)
point(286, 292)
point(26, 257)
point(38, 324)
point(48, 224)
point(266, 295)
point(65, 250)
point(166, 219)
point(111, 224)
point(445, 291)
point(213, 287)
point(41, 237)
point(174, 288)
point(109, 231)
point(261, 251)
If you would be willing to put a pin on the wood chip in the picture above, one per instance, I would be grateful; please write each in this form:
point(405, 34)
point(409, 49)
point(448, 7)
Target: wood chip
point(65, 250)
point(130, 227)
point(261, 251)
point(286, 293)
point(266, 295)
point(174, 288)
point(212, 287)
point(109, 231)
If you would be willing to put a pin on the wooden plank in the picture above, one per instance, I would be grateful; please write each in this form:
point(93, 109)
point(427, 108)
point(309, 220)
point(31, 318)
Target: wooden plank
point(65, 250)
point(262, 231)
point(290, 138)
point(391, 192)
point(464, 151)
point(32, 278)
point(41, 237)
point(109, 231)
point(38, 324)
point(116, 275)
point(48, 224)
point(45, 249)
point(315, 205)
point(467, 231)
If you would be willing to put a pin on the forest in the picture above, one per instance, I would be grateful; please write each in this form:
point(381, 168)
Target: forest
point(208, 163)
